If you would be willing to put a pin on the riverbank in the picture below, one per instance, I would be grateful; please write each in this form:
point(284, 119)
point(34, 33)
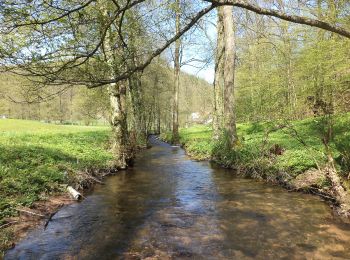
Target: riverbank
point(37, 162)
point(291, 154)
point(170, 207)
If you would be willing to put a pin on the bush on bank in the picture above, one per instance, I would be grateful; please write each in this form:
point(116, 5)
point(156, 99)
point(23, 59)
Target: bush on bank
point(278, 151)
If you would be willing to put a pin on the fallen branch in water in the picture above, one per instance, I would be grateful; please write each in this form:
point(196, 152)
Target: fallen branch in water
point(49, 219)
point(313, 190)
point(317, 192)
point(94, 179)
point(88, 176)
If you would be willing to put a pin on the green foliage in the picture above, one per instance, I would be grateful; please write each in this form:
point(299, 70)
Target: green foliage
point(342, 142)
point(223, 153)
point(301, 147)
point(36, 158)
point(74, 105)
point(281, 67)
point(196, 140)
point(6, 240)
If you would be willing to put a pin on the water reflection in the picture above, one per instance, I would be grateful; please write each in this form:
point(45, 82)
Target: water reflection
point(169, 207)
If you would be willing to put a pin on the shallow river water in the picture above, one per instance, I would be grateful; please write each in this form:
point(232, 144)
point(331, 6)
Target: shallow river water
point(170, 207)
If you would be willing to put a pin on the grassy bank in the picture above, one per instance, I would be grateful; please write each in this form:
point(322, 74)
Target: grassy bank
point(277, 151)
point(36, 158)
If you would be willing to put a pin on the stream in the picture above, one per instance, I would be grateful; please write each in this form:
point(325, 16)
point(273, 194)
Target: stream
point(170, 207)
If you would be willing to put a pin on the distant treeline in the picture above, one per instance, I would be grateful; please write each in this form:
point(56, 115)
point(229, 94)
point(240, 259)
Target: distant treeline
point(20, 98)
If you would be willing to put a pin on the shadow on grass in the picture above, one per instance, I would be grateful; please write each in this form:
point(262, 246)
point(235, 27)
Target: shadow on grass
point(34, 166)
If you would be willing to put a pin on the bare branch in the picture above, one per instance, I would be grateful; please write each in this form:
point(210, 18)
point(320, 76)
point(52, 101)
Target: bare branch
point(36, 22)
point(284, 16)
point(157, 52)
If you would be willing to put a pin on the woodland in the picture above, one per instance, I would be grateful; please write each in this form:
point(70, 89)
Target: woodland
point(276, 105)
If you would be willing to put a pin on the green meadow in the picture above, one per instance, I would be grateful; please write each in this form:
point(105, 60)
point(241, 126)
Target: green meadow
point(36, 158)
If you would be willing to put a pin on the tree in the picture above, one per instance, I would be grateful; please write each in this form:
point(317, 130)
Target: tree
point(68, 43)
point(175, 117)
point(219, 76)
point(117, 94)
point(229, 74)
point(224, 121)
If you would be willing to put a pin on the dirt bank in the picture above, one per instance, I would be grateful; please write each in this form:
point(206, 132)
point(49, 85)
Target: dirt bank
point(41, 212)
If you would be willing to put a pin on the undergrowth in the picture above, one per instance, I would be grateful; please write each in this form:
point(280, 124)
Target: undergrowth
point(271, 150)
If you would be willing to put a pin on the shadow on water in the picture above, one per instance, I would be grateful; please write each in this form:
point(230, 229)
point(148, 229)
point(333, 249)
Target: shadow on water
point(169, 207)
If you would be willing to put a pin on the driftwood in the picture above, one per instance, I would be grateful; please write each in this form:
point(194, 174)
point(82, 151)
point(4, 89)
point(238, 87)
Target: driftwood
point(321, 194)
point(8, 224)
point(30, 213)
point(88, 176)
point(75, 194)
point(95, 179)
point(67, 199)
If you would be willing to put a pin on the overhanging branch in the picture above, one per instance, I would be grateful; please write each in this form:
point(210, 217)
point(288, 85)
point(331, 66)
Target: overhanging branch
point(158, 51)
point(284, 16)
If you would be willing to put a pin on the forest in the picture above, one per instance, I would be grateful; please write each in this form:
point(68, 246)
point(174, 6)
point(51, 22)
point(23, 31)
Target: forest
point(98, 87)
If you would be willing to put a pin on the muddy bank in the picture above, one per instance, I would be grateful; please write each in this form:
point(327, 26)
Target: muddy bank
point(40, 213)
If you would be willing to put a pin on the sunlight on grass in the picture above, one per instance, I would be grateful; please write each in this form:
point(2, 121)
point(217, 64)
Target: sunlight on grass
point(36, 158)
point(296, 157)
point(12, 126)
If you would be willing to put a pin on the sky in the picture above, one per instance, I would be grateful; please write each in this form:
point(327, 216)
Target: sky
point(199, 45)
point(206, 73)
point(205, 51)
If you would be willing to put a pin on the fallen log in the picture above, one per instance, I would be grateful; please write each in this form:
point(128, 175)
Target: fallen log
point(75, 194)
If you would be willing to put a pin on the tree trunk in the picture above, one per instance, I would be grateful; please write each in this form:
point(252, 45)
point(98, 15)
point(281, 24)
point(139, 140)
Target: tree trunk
point(138, 120)
point(156, 101)
point(229, 71)
point(117, 96)
point(342, 196)
point(61, 108)
point(120, 147)
point(219, 77)
point(175, 139)
point(71, 104)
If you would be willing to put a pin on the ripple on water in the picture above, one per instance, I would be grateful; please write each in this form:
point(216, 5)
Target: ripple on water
point(170, 207)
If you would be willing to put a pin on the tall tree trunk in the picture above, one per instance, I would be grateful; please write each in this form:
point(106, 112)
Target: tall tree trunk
point(219, 76)
point(120, 146)
point(138, 120)
point(229, 72)
point(61, 108)
point(117, 96)
point(138, 116)
point(177, 78)
point(156, 100)
point(39, 111)
point(71, 104)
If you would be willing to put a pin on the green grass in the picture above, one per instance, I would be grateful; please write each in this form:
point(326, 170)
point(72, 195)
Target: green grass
point(35, 158)
point(252, 153)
